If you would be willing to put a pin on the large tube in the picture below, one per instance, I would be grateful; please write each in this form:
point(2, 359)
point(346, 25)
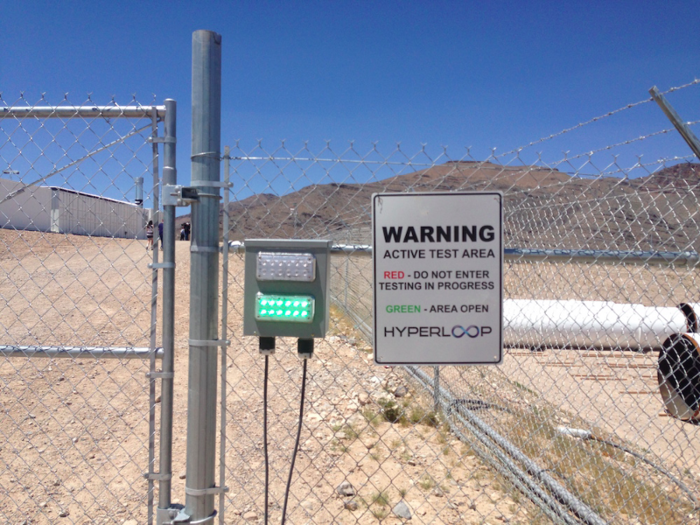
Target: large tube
point(679, 376)
point(585, 324)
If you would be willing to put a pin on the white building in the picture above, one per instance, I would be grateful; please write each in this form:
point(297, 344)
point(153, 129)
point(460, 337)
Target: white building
point(60, 210)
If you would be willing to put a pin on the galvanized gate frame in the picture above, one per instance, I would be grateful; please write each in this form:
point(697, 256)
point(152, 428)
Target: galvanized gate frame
point(166, 375)
point(167, 114)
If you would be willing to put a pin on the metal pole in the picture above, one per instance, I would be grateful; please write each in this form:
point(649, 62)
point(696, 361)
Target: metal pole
point(676, 120)
point(347, 284)
point(347, 265)
point(224, 334)
point(204, 278)
point(138, 198)
point(436, 389)
point(166, 407)
point(154, 322)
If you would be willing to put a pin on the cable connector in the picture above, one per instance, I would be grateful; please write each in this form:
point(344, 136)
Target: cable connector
point(305, 348)
point(267, 345)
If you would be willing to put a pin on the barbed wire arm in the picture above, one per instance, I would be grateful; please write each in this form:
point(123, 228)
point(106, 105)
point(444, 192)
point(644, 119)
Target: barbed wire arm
point(675, 119)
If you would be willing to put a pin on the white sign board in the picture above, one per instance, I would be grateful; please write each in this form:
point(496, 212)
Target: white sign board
point(438, 278)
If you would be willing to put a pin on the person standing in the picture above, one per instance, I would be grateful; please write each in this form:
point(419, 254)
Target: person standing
point(187, 231)
point(149, 235)
point(160, 234)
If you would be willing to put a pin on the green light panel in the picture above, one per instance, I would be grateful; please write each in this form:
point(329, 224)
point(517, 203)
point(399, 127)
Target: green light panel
point(284, 308)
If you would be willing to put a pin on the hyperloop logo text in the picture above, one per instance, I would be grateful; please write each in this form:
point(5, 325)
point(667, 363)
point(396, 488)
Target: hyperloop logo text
point(458, 331)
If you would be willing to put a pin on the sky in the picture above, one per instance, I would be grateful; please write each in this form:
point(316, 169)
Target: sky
point(478, 75)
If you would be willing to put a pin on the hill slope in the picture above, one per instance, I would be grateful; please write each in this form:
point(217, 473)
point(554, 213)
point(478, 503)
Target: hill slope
point(544, 208)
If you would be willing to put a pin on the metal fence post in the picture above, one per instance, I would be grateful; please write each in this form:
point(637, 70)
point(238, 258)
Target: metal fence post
point(224, 335)
point(204, 278)
point(347, 267)
point(166, 414)
point(154, 322)
point(436, 389)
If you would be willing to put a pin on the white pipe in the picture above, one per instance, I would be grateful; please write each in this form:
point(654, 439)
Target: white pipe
point(583, 324)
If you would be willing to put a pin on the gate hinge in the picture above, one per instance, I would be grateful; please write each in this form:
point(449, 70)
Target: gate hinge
point(213, 184)
point(160, 375)
point(157, 476)
point(205, 492)
point(161, 266)
point(172, 515)
point(209, 342)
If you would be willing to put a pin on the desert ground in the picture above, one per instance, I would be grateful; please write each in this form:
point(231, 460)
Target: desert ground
point(74, 432)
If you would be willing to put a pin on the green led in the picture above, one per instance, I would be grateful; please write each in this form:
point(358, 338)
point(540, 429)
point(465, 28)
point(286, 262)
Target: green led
point(285, 308)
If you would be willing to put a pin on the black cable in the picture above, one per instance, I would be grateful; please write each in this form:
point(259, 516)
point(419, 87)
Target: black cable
point(267, 463)
point(296, 445)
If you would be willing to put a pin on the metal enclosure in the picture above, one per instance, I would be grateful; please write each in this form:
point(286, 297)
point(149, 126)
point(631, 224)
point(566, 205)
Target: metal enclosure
point(318, 288)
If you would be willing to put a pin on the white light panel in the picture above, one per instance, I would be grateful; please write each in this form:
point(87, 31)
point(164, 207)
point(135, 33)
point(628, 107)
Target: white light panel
point(278, 266)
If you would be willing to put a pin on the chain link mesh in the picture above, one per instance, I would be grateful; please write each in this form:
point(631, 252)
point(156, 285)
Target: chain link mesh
point(555, 434)
point(74, 431)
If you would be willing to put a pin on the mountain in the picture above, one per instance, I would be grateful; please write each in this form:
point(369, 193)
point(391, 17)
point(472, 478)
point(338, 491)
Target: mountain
point(543, 208)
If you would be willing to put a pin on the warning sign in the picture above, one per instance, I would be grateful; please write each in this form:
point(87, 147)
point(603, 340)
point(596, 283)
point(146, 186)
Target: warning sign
point(438, 278)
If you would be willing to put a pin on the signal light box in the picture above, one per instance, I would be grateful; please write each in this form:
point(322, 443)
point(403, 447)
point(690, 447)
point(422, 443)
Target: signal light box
point(286, 288)
point(438, 278)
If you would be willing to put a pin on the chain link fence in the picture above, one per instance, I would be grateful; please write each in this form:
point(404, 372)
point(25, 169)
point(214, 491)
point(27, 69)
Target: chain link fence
point(77, 325)
point(571, 428)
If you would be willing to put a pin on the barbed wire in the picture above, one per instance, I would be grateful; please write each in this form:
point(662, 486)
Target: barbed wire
point(596, 119)
point(340, 160)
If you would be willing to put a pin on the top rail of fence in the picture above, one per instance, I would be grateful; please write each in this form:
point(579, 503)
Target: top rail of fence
point(82, 111)
point(688, 258)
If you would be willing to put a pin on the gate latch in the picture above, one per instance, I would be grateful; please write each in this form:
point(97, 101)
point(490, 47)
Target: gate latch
point(176, 195)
